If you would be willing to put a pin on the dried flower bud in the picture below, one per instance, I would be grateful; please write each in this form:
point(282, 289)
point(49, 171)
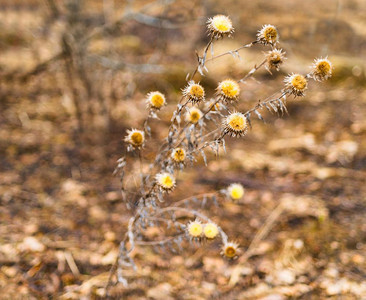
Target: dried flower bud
point(219, 26)
point(228, 90)
point(267, 35)
point(275, 59)
point(230, 250)
point(194, 92)
point(135, 138)
point(193, 115)
point(235, 191)
point(321, 69)
point(296, 84)
point(155, 100)
point(235, 124)
point(178, 155)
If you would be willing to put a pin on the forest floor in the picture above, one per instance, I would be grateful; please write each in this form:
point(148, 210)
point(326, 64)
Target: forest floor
point(61, 214)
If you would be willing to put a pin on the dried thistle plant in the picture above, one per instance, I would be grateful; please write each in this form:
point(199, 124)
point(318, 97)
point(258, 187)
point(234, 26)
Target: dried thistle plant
point(199, 122)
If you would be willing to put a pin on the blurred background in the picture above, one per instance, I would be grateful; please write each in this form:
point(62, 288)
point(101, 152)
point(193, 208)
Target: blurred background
point(73, 78)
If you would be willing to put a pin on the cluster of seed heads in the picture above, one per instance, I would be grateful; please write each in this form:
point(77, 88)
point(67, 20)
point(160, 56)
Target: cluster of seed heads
point(198, 123)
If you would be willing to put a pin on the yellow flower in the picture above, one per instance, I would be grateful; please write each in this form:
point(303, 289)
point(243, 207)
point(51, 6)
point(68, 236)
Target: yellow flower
point(210, 230)
point(178, 155)
point(155, 100)
point(135, 137)
point(296, 83)
point(275, 59)
point(194, 92)
point(228, 90)
point(267, 35)
point(235, 191)
point(220, 25)
point(165, 181)
point(195, 229)
point(193, 115)
point(322, 69)
point(230, 250)
point(235, 124)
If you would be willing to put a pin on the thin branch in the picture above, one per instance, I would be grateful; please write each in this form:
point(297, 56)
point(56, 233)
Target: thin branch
point(232, 51)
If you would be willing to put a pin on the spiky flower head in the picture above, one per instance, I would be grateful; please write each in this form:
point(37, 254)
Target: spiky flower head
point(235, 124)
point(267, 35)
point(135, 137)
point(296, 84)
point(155, 100)
point(322, 69)
point(178, 155)
point(230, 250)
point(228, 90)
point(194, 92)
point(275, 59)
point(195, 229)
point(193, 115)
point(219, 26)
point(165, 181)
point(210, 230)
point(235, 191)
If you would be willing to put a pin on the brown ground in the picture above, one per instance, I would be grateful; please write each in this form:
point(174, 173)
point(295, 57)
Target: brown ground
point(61, 216)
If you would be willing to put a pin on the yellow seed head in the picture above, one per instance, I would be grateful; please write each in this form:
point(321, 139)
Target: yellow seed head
point(194, 92)
point(296, 83)
point(235, 124)
point(178, 155)
point(165, 180)
point(268, 35)
point(322, 69)
point(210, 230)
point(220, 25)
point(155, 100)
point(230, 250)
point(195, 229)
point(193, 115)
point(228, 90)
point(236, 191)
point(135, 137)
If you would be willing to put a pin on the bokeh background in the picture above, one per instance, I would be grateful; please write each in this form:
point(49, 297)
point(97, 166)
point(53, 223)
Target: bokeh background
point(73, 77)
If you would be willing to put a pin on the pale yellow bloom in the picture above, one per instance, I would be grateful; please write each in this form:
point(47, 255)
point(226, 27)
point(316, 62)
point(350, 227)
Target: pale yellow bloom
point(193, 115)
point(236, 191)
point(210, 230)
point(195, 229)
point(194, 92)
point(296, 83)
point(165, 180)
point(228, 90)
point(219, 26)
point(155, 100)
point(322, 69)
point(235, 124)
point(135, 137)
